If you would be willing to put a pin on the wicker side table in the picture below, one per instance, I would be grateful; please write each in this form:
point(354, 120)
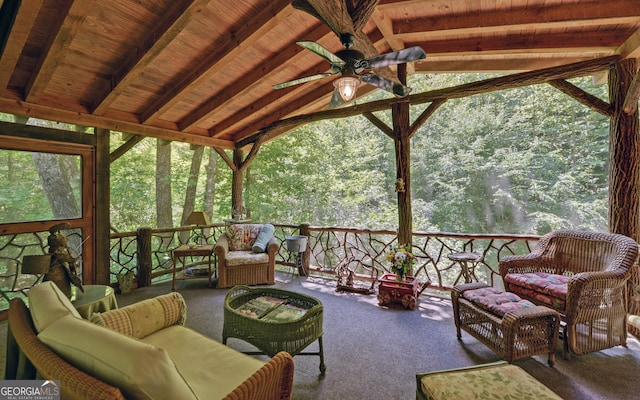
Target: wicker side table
point(518, 334)
point(271, 337)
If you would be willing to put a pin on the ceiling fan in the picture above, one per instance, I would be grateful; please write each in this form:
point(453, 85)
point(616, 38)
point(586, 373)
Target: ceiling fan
point(354, 69)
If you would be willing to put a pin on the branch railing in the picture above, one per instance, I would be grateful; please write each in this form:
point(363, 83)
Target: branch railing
point(363, 250)
point(147, 252)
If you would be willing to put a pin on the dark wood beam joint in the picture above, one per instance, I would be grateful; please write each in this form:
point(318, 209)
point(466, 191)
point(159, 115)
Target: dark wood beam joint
point(630, 105)
point(387, 130)
point(426, 114)
point(583, 97)
point(126, 146)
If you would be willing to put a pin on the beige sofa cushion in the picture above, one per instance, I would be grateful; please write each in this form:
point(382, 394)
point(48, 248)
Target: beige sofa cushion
point(140, 370)
point(145, 317)
point(214, 370)
point(48, 304)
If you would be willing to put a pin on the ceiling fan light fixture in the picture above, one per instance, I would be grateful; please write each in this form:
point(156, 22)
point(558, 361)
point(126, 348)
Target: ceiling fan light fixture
point(347, 86)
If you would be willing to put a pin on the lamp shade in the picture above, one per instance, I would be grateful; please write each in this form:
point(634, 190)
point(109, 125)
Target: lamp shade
point(197, 218)
point(36, 265)
point(347, 86)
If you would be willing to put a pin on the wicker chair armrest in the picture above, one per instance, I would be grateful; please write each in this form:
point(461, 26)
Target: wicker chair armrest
point(272, 247)
point(75, 383)
point(274, 381)
point(222, 247)
point(522, 264)
point(604, 279)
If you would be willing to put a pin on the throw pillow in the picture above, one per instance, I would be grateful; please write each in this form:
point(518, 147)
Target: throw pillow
point(145, 317)
point(140, 370)
point(265, 235)
point(242, 236)
point(47, 304)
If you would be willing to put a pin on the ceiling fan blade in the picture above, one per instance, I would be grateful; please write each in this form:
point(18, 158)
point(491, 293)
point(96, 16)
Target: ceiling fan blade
point(301, 80)
point(386, 84)
point(396, 57)
point(322, 52)
point(336, 100)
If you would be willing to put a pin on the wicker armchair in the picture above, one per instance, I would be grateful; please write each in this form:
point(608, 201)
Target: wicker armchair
point(582, 275)
point(238, 264)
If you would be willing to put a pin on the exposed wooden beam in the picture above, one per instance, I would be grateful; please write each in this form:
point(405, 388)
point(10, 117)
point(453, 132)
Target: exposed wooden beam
point(585, 98)
point(498, 63)
point(55, 114)
point(125, 147)
point(426, 114)
point(69, 21)
point(569, 42)
point(386, 129)
point(16, 37)
point(631, 47)
point(250, 32)
point(246, 83)
point(135, 63)
point(494, 21)
point(454, 92)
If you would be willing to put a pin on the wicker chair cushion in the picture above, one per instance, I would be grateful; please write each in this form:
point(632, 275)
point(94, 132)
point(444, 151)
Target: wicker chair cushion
point(139, 370)
point(212, 368)
point(242, 236)
point(145, 317)
point(48, 304)
point(235, 258)
point(496, 301)
point(547, 289)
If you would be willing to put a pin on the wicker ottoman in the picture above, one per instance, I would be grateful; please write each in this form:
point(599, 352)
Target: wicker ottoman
point(272, 335)
point(488, 381)
point(512, 327)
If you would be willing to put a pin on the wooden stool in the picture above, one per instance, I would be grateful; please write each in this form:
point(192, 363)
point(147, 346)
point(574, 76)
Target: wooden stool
point(522, 331)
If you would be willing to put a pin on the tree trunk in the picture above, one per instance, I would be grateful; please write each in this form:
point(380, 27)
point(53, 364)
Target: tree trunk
point(163, 184)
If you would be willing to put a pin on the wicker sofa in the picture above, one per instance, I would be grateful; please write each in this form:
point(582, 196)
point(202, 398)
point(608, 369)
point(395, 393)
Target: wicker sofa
point(582, 275)
point(141, 351)
point(238, 263)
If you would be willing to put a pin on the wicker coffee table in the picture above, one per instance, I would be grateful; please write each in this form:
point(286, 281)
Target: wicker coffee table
point(271, 334)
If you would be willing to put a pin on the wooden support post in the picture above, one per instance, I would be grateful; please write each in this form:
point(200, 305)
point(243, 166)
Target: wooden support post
point(402, 131)
point(236, 184)
point(144, 266)
point(624, 168)
point(306, 256)
point(102, 267)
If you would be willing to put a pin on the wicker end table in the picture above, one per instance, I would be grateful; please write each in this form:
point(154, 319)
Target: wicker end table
point(271, 336)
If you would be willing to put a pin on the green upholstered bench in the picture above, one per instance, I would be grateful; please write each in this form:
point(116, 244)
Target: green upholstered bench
point(487, 381)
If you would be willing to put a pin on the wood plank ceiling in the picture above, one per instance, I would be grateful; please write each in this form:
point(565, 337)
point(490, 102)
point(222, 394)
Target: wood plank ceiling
point(201, 71)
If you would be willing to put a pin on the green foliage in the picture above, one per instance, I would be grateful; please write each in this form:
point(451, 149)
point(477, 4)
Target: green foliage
point(525, 160)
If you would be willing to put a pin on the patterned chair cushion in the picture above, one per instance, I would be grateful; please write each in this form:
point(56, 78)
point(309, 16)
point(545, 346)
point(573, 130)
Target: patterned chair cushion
point(235, 258)
point(496, 301)
point(548, 289)
point(242, 236)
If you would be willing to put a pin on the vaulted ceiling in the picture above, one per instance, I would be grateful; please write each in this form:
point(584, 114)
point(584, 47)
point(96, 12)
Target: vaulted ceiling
point(202, 71)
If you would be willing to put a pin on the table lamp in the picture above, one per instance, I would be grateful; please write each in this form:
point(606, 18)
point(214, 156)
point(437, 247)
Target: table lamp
point(201, 219)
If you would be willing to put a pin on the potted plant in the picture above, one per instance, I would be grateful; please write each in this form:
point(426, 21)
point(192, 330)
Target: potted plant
point(401, 260)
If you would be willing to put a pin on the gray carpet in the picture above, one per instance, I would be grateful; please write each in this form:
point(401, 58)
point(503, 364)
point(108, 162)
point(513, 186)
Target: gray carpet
point(373, 352)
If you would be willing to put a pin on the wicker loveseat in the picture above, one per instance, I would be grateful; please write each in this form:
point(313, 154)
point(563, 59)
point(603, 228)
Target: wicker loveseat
point(141, 351)
point(238, 263)
point(582, 275)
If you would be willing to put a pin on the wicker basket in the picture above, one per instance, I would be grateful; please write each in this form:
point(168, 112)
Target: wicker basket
point(271, 337)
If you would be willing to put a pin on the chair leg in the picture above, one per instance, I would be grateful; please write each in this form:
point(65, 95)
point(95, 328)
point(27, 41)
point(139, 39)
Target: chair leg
point(566, 353)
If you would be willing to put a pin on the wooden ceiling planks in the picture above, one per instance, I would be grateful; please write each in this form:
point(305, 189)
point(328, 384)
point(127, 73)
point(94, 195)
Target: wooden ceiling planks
point(204, 69)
